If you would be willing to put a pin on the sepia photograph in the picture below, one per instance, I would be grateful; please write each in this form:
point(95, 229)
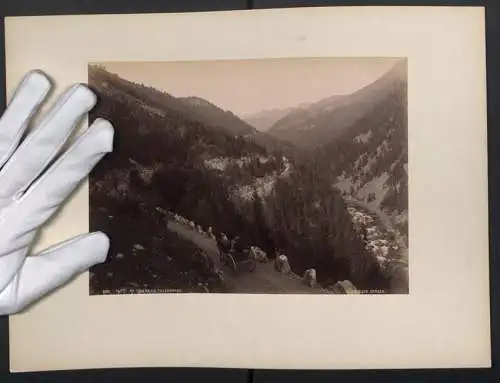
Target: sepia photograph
point(270, 176)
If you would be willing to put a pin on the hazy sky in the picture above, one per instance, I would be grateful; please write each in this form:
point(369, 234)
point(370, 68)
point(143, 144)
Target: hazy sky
point(249, 86)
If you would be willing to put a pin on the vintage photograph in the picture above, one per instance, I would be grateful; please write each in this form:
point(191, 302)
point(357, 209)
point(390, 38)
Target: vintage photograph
point(286, 176)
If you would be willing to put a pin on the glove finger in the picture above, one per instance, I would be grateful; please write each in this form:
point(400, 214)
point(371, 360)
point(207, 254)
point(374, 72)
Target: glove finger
point(54, 267)
point(29, 95)
point(42, 145)
point(42, 199)
point(45, 196)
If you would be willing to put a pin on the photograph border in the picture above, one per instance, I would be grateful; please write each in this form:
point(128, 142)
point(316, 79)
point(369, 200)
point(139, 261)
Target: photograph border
point(382, 70)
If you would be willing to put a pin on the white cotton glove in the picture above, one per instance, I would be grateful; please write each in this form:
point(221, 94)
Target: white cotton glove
point(34, 183)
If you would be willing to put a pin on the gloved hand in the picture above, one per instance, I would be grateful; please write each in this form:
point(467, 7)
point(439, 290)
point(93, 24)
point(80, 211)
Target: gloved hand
point(34, 183)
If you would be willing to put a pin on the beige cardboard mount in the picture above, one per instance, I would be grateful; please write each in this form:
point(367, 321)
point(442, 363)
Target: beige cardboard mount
point(442, 323)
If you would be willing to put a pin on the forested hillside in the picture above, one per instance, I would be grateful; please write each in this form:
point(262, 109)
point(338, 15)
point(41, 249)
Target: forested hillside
point(212, 115)
point(362, 139)
point(370, 159)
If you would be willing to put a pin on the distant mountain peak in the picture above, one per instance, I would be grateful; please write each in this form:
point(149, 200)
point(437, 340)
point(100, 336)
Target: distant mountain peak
point(326, 119)
point(266, 118)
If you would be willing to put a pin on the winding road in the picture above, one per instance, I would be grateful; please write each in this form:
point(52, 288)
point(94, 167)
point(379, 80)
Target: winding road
point(264, 280)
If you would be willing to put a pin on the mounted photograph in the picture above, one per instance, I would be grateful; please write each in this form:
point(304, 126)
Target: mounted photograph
point(255, 176)
point(304, 168)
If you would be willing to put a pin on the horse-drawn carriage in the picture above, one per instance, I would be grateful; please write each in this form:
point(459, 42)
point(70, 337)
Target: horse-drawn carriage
point(233, 255)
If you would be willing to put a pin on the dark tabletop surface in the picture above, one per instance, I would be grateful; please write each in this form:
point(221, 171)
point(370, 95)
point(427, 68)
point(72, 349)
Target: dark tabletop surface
point(52, 7)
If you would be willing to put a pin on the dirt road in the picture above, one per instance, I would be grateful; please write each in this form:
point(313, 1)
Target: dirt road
point(264, 280)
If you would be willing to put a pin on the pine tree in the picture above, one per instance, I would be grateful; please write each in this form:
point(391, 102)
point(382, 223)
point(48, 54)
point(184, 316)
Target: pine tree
point(262, 230)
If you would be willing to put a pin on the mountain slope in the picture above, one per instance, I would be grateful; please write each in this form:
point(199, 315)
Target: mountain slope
point(329, 118)
point(213, 115)
point(194, 108)
point(264, 120)
point(370, 159)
